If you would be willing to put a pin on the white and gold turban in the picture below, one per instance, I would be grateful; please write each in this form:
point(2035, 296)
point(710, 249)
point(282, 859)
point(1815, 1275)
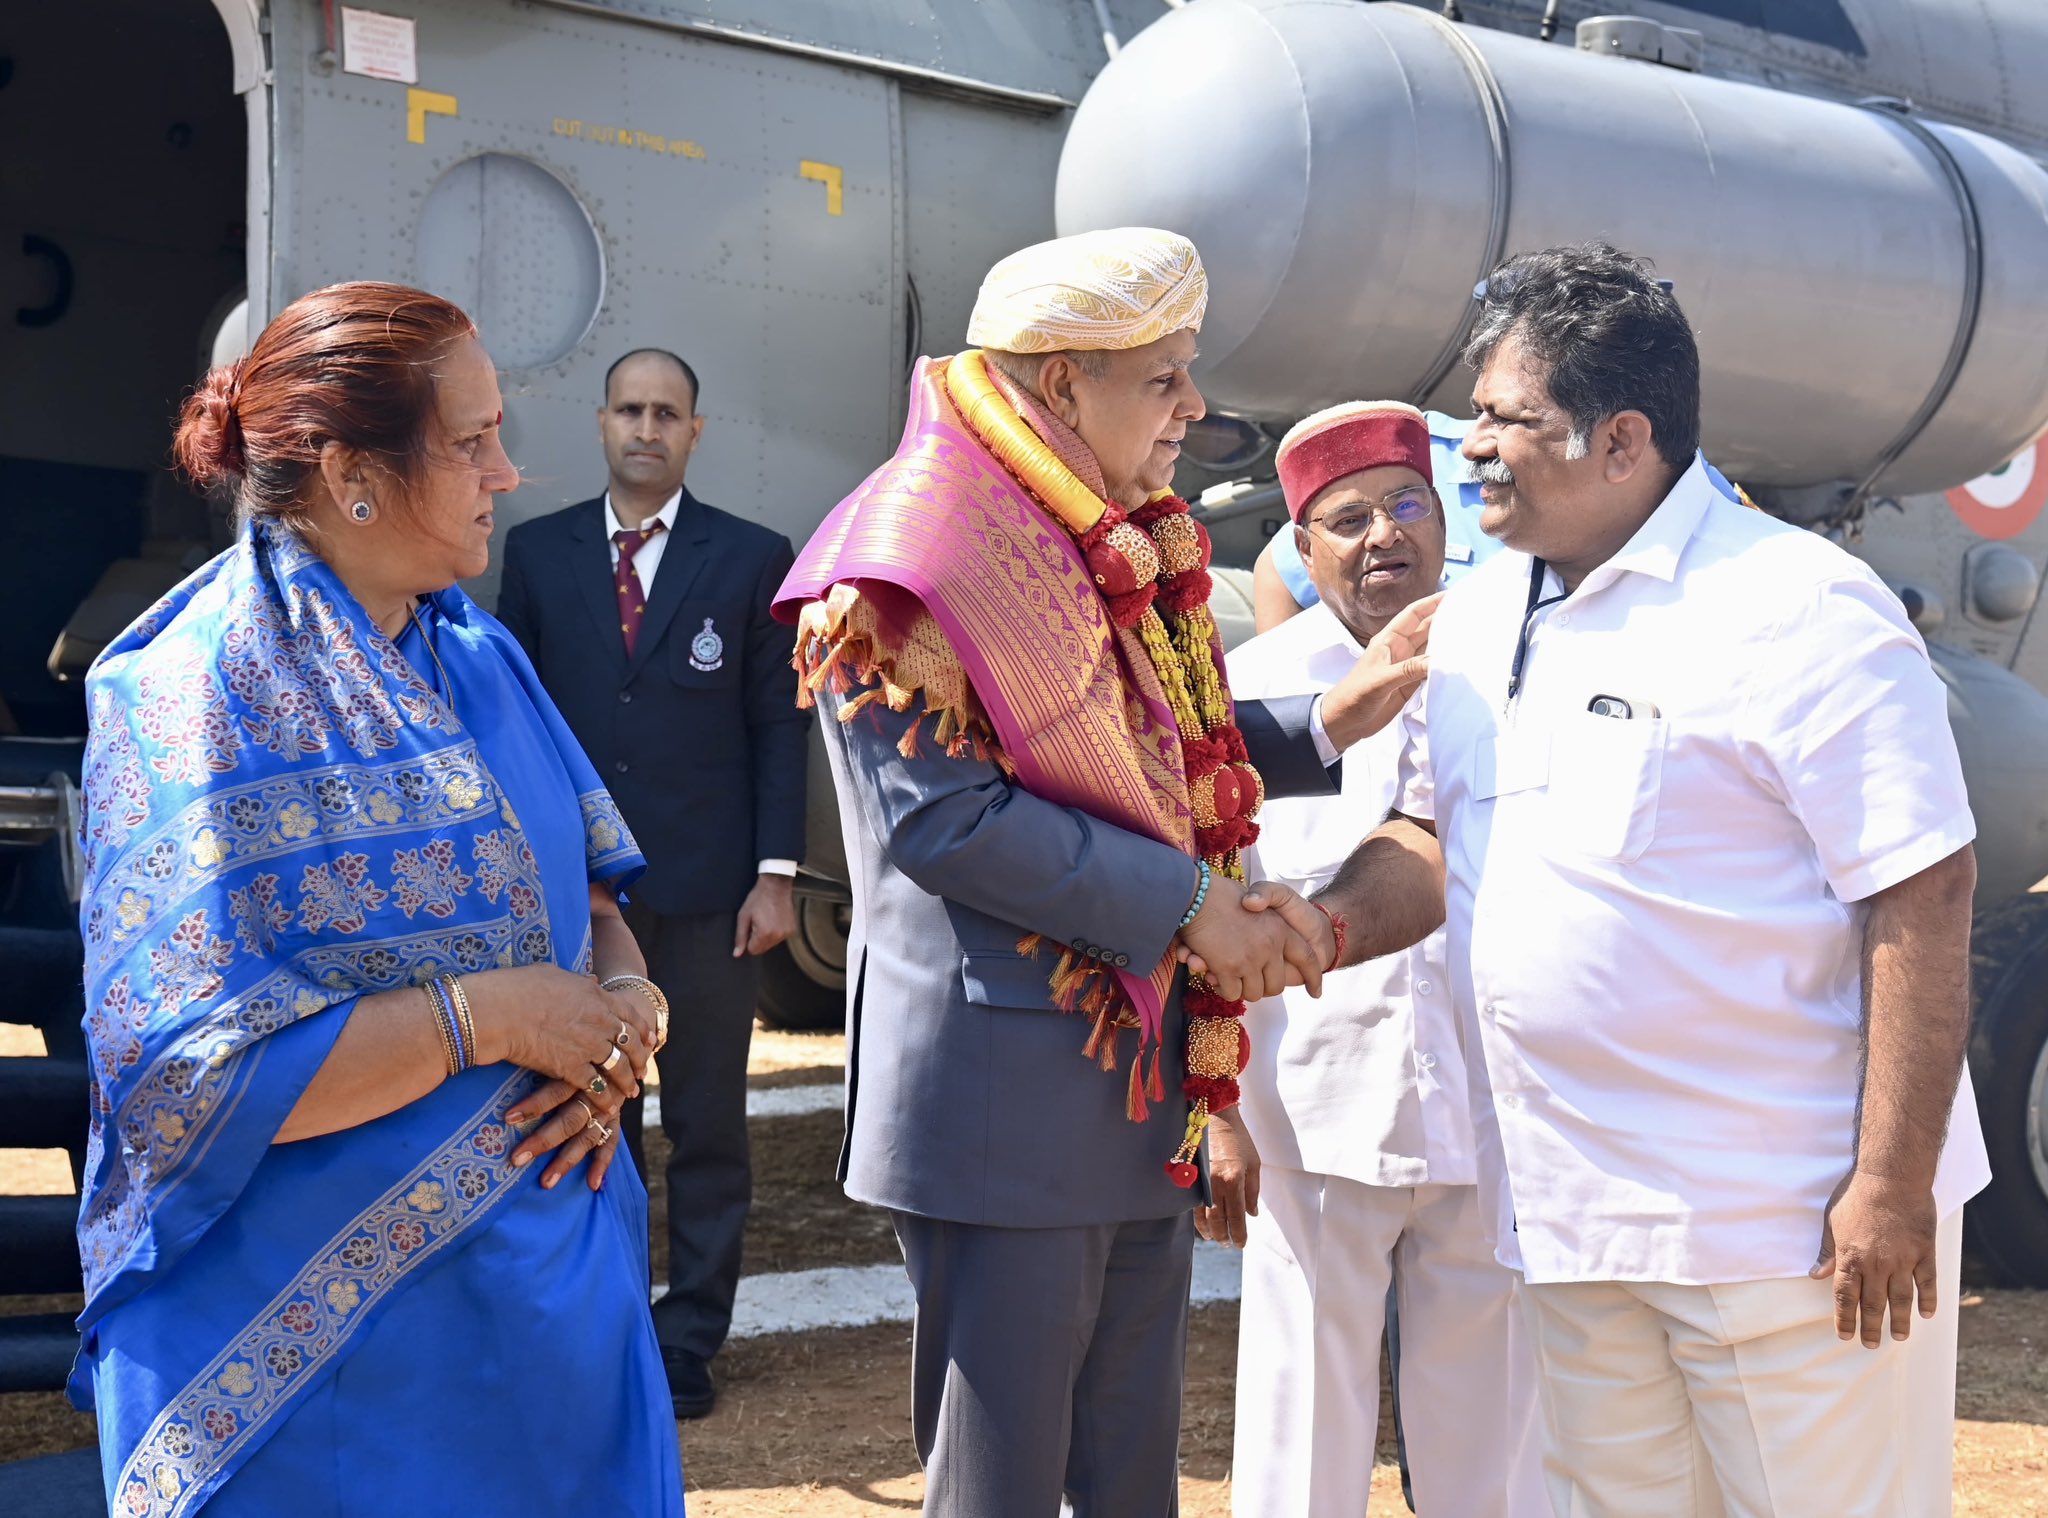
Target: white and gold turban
point(1120, 288)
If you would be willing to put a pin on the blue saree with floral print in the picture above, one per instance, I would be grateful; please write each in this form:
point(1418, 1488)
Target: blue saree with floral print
point(283, 814)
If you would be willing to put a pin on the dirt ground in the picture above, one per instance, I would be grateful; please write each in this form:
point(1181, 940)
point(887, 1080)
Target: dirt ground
point(817, 1424)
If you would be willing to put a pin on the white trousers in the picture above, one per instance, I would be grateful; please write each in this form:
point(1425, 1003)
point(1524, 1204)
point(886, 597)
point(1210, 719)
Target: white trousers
point(1666, 1401)
point(1316, 1266)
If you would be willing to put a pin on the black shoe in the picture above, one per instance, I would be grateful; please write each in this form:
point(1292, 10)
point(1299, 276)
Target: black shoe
point(689, 1383)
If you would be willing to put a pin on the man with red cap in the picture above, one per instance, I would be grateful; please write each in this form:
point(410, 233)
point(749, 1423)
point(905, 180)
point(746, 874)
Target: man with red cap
point(1363, 1168)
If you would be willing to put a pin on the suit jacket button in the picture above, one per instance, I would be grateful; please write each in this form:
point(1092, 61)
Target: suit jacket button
point(1123, 961)
point(622, 766)
point(1081, 944)
point(625, 697)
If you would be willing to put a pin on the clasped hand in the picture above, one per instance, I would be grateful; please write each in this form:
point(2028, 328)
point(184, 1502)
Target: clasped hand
point(578, 1026)
point(1252, 943)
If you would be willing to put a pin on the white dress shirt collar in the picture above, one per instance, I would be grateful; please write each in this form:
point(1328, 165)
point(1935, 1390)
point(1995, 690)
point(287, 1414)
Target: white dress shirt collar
point(666, 516)
point(1660, 541)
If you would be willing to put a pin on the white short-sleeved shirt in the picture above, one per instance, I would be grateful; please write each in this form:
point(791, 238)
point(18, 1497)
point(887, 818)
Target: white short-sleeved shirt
point(1655, 935)
point(1367, 1081)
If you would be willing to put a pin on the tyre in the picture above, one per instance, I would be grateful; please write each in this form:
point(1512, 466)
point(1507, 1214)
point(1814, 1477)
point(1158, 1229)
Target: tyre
point(803, 983)
point(2008, 1221)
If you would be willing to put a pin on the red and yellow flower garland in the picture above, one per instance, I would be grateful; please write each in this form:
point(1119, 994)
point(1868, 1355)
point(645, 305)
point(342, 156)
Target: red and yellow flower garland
point(1152, 567)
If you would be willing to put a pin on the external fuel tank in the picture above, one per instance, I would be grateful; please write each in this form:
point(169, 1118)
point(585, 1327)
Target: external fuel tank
point(1870, 290)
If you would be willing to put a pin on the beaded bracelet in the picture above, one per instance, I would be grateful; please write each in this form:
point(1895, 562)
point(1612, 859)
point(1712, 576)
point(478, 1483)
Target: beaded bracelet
point(459, 998)
point(1201, 894)
point(1338, 928)
point(444, 1023)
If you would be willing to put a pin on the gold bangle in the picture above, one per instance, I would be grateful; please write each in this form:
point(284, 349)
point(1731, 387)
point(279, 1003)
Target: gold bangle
point(654, 995)
point(641, 984)
point(460, 998)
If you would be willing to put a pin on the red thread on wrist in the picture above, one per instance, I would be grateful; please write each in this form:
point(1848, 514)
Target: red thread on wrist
point(1338, 928)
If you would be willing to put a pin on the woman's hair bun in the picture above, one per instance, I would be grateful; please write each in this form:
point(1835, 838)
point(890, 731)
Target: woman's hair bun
point(209, 446)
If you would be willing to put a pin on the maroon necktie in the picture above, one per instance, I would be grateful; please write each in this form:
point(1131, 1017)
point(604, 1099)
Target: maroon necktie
point(632, 600)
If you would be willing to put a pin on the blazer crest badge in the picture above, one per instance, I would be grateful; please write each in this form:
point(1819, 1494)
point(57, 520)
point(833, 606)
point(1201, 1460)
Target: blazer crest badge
point(707, 649)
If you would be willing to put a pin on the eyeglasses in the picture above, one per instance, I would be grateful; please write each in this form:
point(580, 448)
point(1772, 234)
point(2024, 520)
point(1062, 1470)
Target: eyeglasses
point(1352, 520)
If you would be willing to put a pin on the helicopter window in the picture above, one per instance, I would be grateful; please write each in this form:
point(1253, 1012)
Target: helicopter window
point(509, 243)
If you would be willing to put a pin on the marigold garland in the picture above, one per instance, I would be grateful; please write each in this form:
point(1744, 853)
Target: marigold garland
point(1152, 567)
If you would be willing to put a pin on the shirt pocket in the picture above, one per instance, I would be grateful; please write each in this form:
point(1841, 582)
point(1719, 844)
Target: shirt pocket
point(1605, 773)
point(707, 644)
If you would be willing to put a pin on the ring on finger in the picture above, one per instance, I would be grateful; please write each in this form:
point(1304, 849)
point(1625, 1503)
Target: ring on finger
point(624, 1037)
point(598, 1085)
point(611, 1058)
point(604, 1134)
point(589, 1112)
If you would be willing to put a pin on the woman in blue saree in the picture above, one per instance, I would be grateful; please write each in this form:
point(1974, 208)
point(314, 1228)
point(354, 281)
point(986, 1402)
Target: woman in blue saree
point(351, 890)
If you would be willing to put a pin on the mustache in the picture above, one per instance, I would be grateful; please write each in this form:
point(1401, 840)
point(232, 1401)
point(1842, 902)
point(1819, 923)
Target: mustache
point(1492, 472)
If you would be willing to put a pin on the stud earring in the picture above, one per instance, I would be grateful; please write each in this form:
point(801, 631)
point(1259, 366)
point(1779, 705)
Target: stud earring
point(362, 511)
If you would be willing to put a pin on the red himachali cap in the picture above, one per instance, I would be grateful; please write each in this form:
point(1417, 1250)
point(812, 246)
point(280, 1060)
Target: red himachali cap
point(1345, 439)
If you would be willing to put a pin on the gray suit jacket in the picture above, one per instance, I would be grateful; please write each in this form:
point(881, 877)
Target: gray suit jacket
point(968, 1097)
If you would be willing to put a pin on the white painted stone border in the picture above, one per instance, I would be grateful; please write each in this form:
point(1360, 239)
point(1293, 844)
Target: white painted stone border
point(856, 1296)
point(774, 1101)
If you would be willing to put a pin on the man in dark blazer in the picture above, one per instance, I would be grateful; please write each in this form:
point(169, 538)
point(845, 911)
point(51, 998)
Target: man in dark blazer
point(646, 613)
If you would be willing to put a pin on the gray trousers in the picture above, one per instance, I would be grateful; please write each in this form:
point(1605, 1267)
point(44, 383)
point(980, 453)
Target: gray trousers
point(703, 1068)
point(1048, 1362)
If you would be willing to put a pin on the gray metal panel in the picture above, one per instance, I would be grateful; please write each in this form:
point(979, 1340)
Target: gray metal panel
point(1344, 204)
point(714, 243)
point(2001, 730)
point(1051, 47)
point(978, 185)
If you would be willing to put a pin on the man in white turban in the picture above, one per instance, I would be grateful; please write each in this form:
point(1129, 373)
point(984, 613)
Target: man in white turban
point(1045, 788)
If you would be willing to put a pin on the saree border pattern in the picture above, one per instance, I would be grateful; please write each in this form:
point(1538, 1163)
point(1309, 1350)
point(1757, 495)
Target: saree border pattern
point(607, 841)
point(226, 829)
point(197, 1078)
point(282, 1350)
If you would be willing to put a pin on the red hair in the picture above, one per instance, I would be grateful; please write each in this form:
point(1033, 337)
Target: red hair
point(352, 364)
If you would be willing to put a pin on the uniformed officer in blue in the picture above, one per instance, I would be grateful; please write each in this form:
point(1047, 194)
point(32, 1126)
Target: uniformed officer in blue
point(646, 613)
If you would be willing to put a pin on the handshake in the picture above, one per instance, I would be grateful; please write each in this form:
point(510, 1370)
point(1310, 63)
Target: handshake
point(1254, 941)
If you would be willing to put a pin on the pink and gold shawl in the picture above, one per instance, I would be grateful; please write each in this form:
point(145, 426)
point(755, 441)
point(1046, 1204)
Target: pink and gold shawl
point(941, 577)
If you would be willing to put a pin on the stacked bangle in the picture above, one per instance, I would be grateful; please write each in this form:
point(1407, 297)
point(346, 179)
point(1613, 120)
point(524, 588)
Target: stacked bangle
point(444, 1023)
point(1201, 893)
point(463, 1023)
point(451, 1016)
point(643, 985)
point(652, 992)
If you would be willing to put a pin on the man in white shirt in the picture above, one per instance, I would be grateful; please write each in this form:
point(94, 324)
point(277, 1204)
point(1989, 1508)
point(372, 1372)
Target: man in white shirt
point(1707, 871)
point(1362, 1169)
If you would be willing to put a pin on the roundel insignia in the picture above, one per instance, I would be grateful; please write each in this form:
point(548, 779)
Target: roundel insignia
point(707, 649)
point(2005, 502)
